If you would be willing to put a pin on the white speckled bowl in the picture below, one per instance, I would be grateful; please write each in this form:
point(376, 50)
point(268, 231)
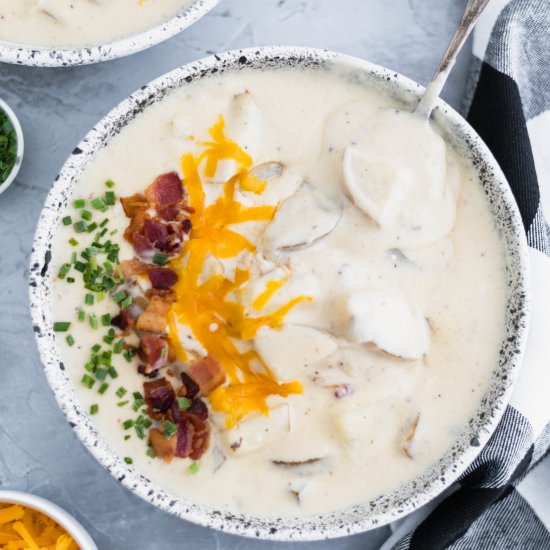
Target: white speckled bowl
point(20, 145)
point(79, 534)
point(21, 54)
point(387, 507)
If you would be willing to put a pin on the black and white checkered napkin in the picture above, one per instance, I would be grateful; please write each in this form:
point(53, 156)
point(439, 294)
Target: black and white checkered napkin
point(500, 502)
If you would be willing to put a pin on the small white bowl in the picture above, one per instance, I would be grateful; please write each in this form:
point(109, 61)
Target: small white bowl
point(53, 511)
point(20, 145)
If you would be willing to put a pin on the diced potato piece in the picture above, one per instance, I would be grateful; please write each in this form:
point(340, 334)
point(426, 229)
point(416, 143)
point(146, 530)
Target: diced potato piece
point(386, 322)
point(257, 431)
point(287, 351)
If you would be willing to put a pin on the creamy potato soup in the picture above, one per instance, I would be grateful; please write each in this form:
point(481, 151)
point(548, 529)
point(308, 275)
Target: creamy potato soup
point(62, 23)
point(279, 280)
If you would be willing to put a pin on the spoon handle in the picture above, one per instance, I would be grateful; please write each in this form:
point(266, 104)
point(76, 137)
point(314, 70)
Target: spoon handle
point(471, 14)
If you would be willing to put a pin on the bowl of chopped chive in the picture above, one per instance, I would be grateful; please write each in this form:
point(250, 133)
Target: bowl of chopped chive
point(29, 521)
point(11, 146)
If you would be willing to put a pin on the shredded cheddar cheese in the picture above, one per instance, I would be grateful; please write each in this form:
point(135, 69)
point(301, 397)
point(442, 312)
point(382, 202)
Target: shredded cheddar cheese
point(209, 308)
point(23, 528)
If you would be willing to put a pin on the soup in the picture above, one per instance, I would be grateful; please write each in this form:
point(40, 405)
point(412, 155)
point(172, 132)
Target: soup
point(52, 23)
point(316, 310)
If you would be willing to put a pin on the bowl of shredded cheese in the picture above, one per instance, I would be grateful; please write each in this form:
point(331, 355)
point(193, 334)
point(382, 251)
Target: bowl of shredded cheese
point(31, 522)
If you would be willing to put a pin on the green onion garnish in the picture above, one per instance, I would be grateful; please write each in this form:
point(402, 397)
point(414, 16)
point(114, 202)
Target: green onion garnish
point(121, 392)
point(194, 468)
point(126, 437)
point(61, 326)
point(96, 348)
point(73, 241)
point(128, 460)
point(126, 302)
point(79, 203)
point(127, 424)
point(110, 184)
point(169, 429)
point(81, 315)
point(70, 340)
point(86, 215)
point(89, 299)
point(122, 403)
point(80, 227)
point(150, 453)
point(67, 220)
point(88, 381)
point(112, 372)
point(94, 408)
point(92, 319)
point(160, 259)
point(64, 269)
point(110, 198)
point(106, 319)
point(103, 388)
point(119, 296)
point(119, 346)
point(98, 204)
point(183, 403)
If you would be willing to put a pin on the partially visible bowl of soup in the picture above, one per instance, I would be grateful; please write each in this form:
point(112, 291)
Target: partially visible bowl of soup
point(49, 33)
point(272, 300)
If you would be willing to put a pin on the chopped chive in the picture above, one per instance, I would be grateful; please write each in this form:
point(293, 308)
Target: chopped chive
point(101, 296)
point(104, 222)
point(137, 395)
point(89, 299)
point(126, 437)
point(67, 220)
point(94, 408)
point(106, 319)
point(110, 198)
point(86, 215)
point(119, 296)
point(98, 204)
point(122, 403)
point(169, 429)
point(110, 184)
point(92, 319)
point(121, 392)
point(113, 232)
point(79, 203)
point(88, 381)
point(112, 372)
point(70, 279)
point(80, 226)
point(101, 373)
point(103, 388)
point(150, 453)
point(73, 241)
point(64, 269)
point(183, 403)
point(96, 348)
point(61, 326)
point(128, 354)
point(160, 259)
point(128, 460)
point(92, 227)
point(79, 266)
point(70, 340)
point(127, 424)
point(126, 302)
point(194, 468)
point(119, 346)
point(81, 315)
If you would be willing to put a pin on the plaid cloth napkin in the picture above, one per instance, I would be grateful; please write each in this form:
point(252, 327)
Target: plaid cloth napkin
point(497, 503)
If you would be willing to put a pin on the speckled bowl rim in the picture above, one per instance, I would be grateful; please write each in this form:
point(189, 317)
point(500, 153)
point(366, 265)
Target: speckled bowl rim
point(20, 54)
point(385, 508)
point(58, 514)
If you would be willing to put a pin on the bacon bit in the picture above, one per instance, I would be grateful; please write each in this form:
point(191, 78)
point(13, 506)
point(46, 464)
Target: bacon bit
point(198, 408)
point(406, 446)
point(162, 278)
point(190, 388)
point(167, 295)
point(132, 204)
point(154, 351)
point(147, 371)
point(193, 437)
point(166, 190)
point(123, 320)
point(207, 373)
point(186, 226)
point(133, 267)
point(164, 448)
point(159, 395)
point(236, 444)
point(155, 317)
point(168, 213)
point(156, 233)
point(136, 225)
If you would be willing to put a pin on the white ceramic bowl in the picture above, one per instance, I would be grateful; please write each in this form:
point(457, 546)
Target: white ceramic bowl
point(62, 57)
point(20, 145)
point(79, 534)
point(387, 507)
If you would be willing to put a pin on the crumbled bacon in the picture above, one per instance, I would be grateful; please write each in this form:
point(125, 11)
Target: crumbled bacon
point(155, 316)
point(193, 437)
point(189, 388)
point(164, 448)
point(154, 351)
point(198, 408)
point(207, 373)
point(134, 203)
point(159, 395)
point(133, 267)
point(162, 278)
point(123, 320)
point(166, 190)
point(147, 371)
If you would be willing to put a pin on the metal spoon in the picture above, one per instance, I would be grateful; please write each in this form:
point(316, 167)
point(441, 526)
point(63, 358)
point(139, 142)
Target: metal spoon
point(471, 14)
